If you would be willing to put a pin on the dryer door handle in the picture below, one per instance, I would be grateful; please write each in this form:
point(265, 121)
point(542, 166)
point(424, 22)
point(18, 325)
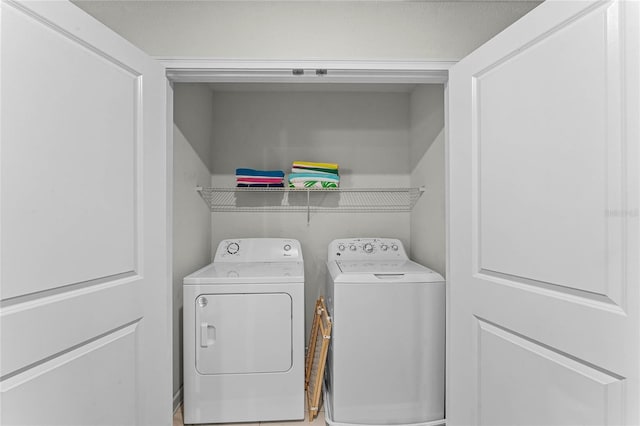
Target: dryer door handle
point(207, 335)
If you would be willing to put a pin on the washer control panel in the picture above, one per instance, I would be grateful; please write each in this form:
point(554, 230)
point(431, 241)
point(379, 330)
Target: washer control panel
point(259, 250)
point(366, 248)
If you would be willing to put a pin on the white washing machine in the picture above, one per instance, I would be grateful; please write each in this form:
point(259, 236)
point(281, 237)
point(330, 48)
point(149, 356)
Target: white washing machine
point(386, 359)
point(244, 334)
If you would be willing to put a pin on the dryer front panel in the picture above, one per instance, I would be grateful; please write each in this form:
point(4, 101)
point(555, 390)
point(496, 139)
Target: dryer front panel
point(243, 333)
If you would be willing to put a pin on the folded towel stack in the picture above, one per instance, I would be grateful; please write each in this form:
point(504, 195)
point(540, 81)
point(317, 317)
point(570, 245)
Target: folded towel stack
point(251, 178)
point(305, 174)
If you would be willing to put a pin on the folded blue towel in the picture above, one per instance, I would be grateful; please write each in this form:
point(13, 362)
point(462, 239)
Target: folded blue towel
point(260, 185)
point(262, 173)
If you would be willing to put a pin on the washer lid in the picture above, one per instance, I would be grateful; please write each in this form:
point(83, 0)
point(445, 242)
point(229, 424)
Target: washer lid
point(394, 270)
point(248, 273)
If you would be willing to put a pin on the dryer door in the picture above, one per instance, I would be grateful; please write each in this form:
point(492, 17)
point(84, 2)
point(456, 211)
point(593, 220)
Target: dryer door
point(243, 333)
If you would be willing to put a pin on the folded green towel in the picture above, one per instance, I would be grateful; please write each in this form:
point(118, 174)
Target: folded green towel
point(312, 184)
point(323, 177)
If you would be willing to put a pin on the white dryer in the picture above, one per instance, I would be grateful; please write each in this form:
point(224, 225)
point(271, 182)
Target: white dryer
point(244, 334)
point(386, 358)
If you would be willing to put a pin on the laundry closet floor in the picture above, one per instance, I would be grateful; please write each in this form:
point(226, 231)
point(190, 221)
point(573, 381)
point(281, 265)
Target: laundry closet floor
point(318, 421)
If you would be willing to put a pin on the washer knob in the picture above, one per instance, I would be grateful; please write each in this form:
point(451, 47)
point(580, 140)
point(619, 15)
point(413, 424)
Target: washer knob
point(233, 248)
point(287, 247)
point(352, 247)
point(384, 247)
point(394, 247)
point(341, 247)
point(368, 248)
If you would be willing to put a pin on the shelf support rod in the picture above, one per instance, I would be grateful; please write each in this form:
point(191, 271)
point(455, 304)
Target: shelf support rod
point(308, 208)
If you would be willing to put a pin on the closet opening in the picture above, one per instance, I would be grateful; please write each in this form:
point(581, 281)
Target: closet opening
point(381, 134)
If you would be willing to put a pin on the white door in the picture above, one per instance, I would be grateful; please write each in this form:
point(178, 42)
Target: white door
point(544, 165)
point(85, 301)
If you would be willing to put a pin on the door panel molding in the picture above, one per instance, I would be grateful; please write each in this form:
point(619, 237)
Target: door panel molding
point(588, 394)
point(593, 300)
point(73, 37)
point(86, 223)
point(612, 11)
point(606, 250)
point(544, 235)
point(84, 193)
point(76, 379)
point(50, 363)
point(46, 326)
point(593, 372)
point(63, 292)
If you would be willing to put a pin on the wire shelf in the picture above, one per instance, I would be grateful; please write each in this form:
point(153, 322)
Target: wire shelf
point(310, 200)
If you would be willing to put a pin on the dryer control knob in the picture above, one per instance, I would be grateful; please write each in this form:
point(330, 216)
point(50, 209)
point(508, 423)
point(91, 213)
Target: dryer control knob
point(394, 247)
point(287, 247)
point(352, 247)
point(341, 247)
point(384, 247)
point(233, 248)
point(368, 248)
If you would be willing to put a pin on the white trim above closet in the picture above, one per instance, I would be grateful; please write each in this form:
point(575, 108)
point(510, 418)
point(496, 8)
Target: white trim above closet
point(207, 70)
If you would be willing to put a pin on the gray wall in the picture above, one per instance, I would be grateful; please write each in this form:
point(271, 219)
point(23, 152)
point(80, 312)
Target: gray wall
point(367, 134)
point(428, 168)
point(308, 29)
point(191, 217)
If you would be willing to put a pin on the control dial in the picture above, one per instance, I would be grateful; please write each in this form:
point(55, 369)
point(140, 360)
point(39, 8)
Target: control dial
point(287, 247)
point(341, 247)
point(394, 247)
point(352, 247)
point(233, 248)
point(368, 248)
point(384, 247)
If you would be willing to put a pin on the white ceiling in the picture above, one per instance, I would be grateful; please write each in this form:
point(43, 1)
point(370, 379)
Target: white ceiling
point(309, 30)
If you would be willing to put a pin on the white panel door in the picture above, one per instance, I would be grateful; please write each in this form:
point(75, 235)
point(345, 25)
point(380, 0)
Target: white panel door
point(85, 301)
point(544, 185)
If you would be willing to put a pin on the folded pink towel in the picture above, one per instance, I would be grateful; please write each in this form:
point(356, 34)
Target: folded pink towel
point(258, 180)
